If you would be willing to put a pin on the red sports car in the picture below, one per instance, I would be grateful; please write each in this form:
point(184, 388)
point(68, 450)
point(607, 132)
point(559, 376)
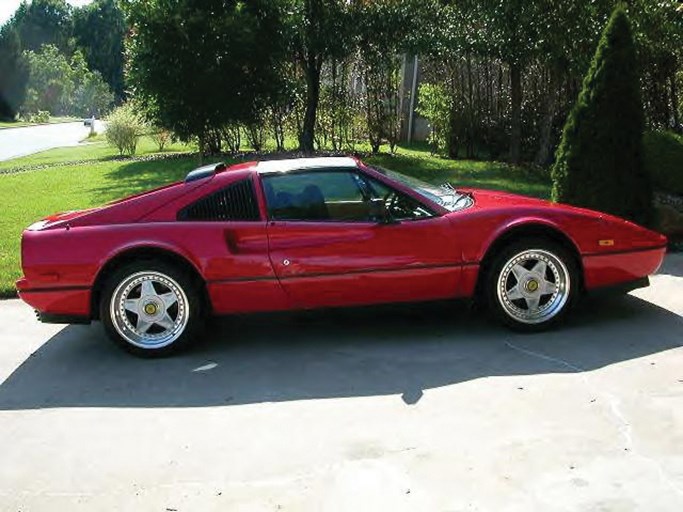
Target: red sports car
point(319, 232)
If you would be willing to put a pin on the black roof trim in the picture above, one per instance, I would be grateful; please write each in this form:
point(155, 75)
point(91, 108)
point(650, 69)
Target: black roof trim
point(205, 171)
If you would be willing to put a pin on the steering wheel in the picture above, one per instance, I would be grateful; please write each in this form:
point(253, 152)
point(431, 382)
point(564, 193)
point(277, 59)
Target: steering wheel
point(390, 201)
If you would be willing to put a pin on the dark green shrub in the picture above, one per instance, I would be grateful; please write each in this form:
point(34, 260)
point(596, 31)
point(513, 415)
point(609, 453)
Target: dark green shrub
point(664, 161)
point(599, 162)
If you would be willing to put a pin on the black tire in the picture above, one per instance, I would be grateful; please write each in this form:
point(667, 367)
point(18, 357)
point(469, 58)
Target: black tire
point(557, 309)
point(192, 289)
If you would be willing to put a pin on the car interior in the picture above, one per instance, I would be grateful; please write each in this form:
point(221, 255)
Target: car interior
point(336, 196)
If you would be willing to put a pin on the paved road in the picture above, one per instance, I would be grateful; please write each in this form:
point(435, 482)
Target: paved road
point(401, 408)
point(16, 142)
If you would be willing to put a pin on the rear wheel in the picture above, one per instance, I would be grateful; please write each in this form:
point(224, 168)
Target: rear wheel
point(151, 308)
point(532, 284)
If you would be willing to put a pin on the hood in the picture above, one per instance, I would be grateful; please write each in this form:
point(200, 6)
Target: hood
point(494, 199)
point(582, 222)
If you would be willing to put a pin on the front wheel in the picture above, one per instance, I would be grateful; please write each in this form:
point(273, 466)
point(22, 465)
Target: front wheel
point(151, 308)
point(532, 284)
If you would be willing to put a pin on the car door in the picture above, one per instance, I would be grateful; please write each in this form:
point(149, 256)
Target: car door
point(329, 248)
point(225, 229)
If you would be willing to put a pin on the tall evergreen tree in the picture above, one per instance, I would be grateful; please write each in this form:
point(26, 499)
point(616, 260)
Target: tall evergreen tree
point(13, 73)
point(599, 162)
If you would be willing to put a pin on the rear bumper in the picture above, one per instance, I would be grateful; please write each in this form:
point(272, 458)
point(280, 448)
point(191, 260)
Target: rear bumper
point(626, 269)
point(50, 318)
point(54, 303)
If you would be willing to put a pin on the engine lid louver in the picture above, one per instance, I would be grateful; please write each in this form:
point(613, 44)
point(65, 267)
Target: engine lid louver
point(236, 202)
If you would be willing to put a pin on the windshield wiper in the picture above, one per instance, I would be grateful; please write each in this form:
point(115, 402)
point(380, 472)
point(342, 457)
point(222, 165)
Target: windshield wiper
point(461, 196)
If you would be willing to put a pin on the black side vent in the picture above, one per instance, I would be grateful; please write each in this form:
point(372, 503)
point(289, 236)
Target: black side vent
point(236, 202)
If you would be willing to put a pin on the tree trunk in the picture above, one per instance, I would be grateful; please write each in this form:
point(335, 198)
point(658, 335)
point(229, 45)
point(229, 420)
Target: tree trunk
point(674, 100)
point(452, 141)
point(469, 138)
point(516, 114)
point(307, 137)
point(545, 142)
point(201, 144)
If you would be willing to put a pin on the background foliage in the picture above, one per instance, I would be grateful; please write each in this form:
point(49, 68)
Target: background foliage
point(599, 163)
point(60, 59)
point(499, 77)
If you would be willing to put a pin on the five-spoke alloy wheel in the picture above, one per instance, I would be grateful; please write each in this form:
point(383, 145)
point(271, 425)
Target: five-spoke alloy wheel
point(150, 308)
point(531, 284)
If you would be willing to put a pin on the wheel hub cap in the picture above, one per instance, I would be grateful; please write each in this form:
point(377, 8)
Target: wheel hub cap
point(533, 286)
point(149, 310)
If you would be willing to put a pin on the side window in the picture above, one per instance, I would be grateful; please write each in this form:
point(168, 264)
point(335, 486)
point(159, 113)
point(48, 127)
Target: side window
point(342, 196)
point(316, 196)
point(398, 206)
point(234, 202)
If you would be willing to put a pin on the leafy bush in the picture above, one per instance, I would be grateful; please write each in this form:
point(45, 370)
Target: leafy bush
point(42, 116)
point(600, 159)
point(664, 161)
point(124, 128)
point(161, 137)
point(435, 105)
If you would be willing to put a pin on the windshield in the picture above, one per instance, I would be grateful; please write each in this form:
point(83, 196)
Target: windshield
point(444, 195)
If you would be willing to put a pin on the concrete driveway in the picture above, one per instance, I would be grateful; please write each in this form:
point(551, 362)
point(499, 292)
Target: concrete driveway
point(426, 408)
point(16, 142)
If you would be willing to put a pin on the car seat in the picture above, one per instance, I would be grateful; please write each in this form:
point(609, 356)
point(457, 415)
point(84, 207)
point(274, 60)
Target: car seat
point(313, 203)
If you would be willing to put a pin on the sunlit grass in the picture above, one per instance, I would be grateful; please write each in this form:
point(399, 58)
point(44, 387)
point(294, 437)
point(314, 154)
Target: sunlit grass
point(89, 149)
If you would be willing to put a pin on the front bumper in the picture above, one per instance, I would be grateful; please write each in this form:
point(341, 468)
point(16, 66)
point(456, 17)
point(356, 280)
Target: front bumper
point(621, 268)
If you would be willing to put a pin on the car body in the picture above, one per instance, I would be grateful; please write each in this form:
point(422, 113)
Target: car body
point(323, 232)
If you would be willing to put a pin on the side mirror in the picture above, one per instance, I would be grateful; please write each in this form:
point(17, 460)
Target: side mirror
point(379, 213)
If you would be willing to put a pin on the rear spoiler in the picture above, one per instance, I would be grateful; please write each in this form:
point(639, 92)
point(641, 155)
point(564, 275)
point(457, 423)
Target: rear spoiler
point(205, 171)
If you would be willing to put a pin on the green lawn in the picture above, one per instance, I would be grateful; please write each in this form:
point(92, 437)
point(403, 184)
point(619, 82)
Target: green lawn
point(90, 149)
point(53, 120)
point(29, 196)
point(465, 173)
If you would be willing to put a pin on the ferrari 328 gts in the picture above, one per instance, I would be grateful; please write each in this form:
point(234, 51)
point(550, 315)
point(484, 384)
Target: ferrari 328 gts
point(319, 232)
